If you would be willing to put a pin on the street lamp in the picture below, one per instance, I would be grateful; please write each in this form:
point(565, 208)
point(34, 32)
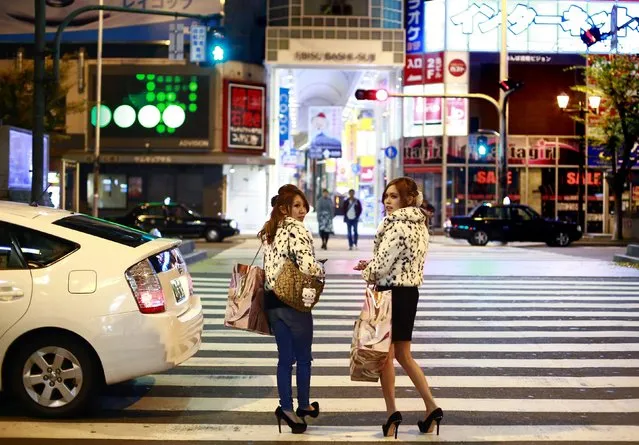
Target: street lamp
point(581, 110)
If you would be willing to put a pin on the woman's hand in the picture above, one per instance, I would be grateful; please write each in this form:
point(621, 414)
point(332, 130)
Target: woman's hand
point(361, 265)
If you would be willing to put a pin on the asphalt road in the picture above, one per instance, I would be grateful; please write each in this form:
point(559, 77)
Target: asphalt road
point(522, 344)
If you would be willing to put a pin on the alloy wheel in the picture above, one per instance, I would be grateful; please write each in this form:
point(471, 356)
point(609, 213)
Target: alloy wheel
point(52, 377)
point(480, 238)
point(212, 235)
point(563, 239)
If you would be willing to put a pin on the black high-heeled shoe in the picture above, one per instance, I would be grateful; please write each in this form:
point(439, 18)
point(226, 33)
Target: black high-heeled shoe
point(296, 428)
point(394, 419)
point(305, 412)
point(437, 415)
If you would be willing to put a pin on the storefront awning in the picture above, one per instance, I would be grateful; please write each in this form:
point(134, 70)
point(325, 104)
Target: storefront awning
point(170, 158)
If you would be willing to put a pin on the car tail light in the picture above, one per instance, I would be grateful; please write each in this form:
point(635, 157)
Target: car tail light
point(184, 269)
point(146, 288)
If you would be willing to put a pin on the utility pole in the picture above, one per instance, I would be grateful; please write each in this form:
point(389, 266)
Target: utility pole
point(503, 118)
point(37, 153)
point(98, 127)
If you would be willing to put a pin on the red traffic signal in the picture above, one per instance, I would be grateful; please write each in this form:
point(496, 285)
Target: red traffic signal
point(510, 85)
point(591, 36)
point(379, 95)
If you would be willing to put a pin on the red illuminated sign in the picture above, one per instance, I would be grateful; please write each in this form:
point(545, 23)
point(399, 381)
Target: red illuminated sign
point(591, 178)
point(244, 117)
point(490, 177)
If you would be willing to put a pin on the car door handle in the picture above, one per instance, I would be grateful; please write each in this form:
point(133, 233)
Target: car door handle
point(10, 294)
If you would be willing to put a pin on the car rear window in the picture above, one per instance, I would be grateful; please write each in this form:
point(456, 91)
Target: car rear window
point(105, 230)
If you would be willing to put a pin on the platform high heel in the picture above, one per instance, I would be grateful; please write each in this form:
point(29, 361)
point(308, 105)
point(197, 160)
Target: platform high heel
point(304, 412)
point(394, 419)
point(437, 415)
point(296, 428)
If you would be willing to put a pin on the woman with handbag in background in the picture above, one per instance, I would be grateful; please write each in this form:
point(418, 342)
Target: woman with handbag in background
point(286, 238)
point(398, 265)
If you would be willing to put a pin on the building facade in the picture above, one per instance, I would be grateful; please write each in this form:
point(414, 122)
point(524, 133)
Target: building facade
point(448, 40)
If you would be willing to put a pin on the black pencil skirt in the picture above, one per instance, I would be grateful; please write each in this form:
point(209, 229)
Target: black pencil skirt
point(404, 311)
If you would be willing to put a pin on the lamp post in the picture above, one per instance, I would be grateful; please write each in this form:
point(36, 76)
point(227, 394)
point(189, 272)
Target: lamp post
point(581, 110)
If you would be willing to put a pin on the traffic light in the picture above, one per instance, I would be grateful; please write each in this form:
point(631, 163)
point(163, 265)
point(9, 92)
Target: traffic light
point(482, 146)
point(591, 36)
point(215, 47)
point(510, 85)
point(379, 95)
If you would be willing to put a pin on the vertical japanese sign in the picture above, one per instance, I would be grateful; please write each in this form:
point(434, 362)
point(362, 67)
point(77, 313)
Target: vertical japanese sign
point(284, 116)
point(414, 26)
point(244, 120)
point(198, 43)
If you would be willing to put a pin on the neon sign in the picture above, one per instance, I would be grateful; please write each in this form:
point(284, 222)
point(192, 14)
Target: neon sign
point(539, 26)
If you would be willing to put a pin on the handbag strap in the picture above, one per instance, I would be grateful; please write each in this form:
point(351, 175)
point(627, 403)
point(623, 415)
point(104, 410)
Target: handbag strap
point(256, 254)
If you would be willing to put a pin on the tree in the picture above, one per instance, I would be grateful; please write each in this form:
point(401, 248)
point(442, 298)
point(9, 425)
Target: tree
point(16, 98)
point(615, 78)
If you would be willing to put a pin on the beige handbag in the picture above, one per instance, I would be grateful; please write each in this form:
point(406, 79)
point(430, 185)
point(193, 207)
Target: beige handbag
point(245, 303)
point(372, 336)
point(291, 282)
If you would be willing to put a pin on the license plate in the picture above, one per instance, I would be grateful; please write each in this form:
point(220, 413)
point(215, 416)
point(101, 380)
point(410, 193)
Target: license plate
point(179, 289)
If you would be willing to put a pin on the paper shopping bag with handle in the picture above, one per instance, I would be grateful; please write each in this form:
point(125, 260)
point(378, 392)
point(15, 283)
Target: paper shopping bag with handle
point(371, 336)
point(245, 304)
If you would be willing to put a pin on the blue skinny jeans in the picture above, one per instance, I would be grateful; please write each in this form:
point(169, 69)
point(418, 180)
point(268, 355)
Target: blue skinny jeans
point(294, 336)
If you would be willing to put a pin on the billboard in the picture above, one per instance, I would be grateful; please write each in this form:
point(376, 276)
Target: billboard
point(17, 18)
point(244, 116)
point(152, 106)
point(325, 132)
point(540, 26)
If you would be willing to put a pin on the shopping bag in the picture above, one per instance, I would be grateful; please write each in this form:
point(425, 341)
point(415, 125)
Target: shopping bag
point(371, 336)
point(245, 304)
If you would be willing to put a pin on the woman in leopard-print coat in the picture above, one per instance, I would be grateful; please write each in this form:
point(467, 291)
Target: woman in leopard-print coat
point(398, 265)
point(285, 237)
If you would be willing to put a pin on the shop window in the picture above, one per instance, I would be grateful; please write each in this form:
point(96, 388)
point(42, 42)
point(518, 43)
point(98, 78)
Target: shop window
point(548, 192)
point(567, 194)
point(481, 185)
point(456, 191)
point(457, 146)
point(112, 191)
point(595, 200)
point(516, 184)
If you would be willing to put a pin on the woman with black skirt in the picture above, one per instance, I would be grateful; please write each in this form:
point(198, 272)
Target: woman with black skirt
point(398, 265)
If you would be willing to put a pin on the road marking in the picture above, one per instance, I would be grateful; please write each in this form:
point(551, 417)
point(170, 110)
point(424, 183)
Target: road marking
point(327, 381)
point(178, 432)
point(225, 362)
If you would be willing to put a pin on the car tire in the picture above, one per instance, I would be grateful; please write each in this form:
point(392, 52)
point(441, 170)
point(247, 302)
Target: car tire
point(480, 238)
point(74, 358)
point(562, 239)
point(212, 235)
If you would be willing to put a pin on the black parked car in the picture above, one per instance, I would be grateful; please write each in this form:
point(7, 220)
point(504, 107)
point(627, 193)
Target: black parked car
point(177, 220)
point(513, 222)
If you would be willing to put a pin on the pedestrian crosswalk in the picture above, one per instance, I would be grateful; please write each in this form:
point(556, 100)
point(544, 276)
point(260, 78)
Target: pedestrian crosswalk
point(517, 359)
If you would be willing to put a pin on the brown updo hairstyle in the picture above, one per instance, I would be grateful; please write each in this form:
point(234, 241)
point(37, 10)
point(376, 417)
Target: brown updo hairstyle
point(282, 206)
point(407, 189)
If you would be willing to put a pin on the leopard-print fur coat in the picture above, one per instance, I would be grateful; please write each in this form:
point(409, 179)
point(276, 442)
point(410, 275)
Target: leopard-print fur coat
point(399, 250)
point(293, 241)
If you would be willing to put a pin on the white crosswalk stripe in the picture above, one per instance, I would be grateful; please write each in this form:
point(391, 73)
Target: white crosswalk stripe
point(517, 359)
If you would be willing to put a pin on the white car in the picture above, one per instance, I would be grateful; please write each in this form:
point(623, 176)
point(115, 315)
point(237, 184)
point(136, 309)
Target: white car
point(86, 302)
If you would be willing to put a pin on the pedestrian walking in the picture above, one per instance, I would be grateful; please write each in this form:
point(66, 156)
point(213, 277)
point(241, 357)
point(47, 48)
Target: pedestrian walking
point(285, 237)
point(325, 215)
point(352, 210)
point(399, 252)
